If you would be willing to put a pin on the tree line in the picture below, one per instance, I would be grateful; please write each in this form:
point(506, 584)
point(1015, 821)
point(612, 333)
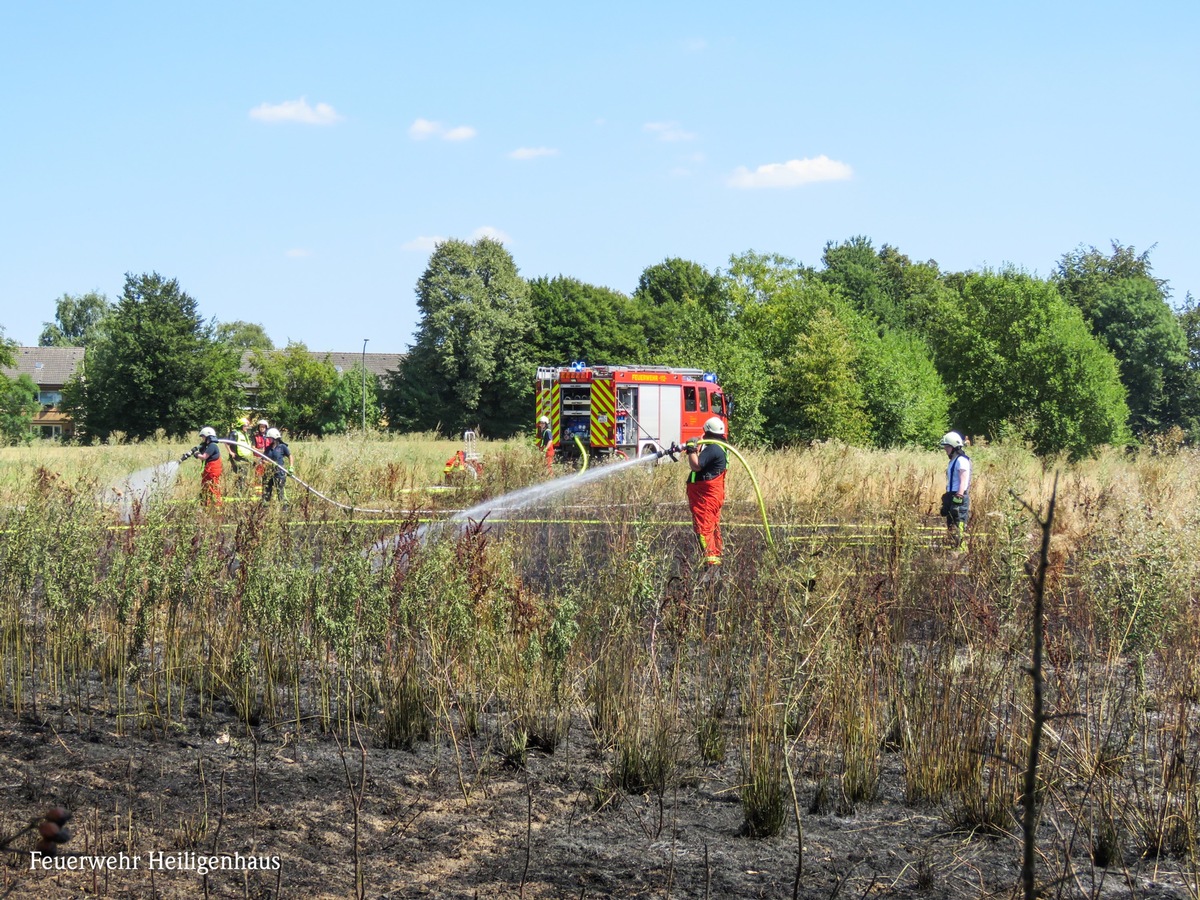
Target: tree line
point(869, 348)
point(155, 365)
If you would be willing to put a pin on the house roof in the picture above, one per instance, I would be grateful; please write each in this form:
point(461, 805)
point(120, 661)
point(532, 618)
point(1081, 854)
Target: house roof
point(53, 366)
point(377, 364)
point(47, 366)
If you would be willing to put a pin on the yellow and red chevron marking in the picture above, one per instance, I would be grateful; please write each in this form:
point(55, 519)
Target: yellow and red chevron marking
point(604, 413)
point(542, 403)
point(555, 412)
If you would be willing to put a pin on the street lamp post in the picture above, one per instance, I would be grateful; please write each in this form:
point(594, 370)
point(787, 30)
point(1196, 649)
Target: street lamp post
point(364, 387)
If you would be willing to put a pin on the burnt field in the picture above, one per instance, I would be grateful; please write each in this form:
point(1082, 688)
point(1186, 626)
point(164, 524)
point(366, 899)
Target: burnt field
point(551, 702)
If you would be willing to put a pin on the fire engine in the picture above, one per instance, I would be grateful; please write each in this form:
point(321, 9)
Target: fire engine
point(626, 410)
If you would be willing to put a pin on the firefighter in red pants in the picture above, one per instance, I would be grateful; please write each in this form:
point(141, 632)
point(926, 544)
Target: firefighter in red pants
point(208, 451)
point(546, 441)
point(706, 489)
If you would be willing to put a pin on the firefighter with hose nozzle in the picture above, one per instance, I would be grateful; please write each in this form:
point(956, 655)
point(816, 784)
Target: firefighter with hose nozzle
point(208, 451)
point(706, 489)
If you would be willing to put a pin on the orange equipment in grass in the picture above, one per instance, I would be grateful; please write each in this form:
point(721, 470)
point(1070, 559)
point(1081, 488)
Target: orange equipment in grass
point(465, 465)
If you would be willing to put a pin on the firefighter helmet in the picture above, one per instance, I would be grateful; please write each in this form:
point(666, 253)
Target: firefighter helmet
point(715, 425)
point(263, 422)
point(273, 433)
point(951, 439)
point(207, 432)
point(544, 420)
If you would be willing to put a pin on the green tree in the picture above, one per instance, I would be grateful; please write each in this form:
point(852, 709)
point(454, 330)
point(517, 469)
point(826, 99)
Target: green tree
point(296, 389)
point(1081, 273)
point(817, 395)
point(77, 321)
point(346, 402)
point(867, 279)
point(890, 372)
point(18, 398)
point(245, 337)
point(155, 364)
point(1128, 308)
point(472, 363)
point(1143, 333)
point(682, 306)
point(1021, 361)
point(906, 399)
point(18, 404)
point(578, 321)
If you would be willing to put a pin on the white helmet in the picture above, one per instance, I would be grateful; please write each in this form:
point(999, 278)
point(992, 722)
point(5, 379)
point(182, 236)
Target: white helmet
point(273, 433)
point(261, 422)
point(951, 439)
point(544, 420)
point(715, 425)
point(207, 432)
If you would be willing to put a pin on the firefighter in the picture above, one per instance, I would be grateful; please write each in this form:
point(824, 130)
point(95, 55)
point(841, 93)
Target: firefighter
point(279, 454)
point(259, 441)
point(546, 441)
point(241, 457)
point(706, 489)
point(956, 502)
point(208, 451)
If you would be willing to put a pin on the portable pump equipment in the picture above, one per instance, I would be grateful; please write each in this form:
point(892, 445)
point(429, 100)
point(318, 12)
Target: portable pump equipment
point(627, 410)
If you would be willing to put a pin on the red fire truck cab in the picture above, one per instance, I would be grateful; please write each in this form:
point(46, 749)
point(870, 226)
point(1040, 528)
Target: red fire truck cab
point(626, 410)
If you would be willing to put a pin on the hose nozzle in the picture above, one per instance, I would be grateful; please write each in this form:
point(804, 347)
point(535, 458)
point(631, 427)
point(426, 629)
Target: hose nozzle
point(673, 451)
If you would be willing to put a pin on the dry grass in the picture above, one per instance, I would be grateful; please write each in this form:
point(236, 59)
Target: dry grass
point(855, 638)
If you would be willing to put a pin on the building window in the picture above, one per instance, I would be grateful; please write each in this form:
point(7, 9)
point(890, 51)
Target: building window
point(50, 398)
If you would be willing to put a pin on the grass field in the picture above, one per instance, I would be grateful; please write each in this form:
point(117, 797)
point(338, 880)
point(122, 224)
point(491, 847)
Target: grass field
point(853, 666)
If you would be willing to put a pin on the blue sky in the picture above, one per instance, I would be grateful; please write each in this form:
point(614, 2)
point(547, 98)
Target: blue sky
point(292, 163)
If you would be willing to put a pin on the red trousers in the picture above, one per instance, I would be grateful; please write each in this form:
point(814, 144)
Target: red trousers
point(210, 484)
point(549, 457)
point(706, 499)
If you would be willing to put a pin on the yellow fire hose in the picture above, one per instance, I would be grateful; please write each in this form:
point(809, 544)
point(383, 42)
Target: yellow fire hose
point(754, 481)
point(583, 453)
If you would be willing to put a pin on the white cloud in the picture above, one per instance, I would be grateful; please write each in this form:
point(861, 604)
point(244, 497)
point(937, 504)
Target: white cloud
point(429, 243)
point(696, 45)
point(532, 152)
point(668, 131)
point(298, 253)
point(422, 129)
point(296, 111)
point(793, 173)
point(424, 243)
